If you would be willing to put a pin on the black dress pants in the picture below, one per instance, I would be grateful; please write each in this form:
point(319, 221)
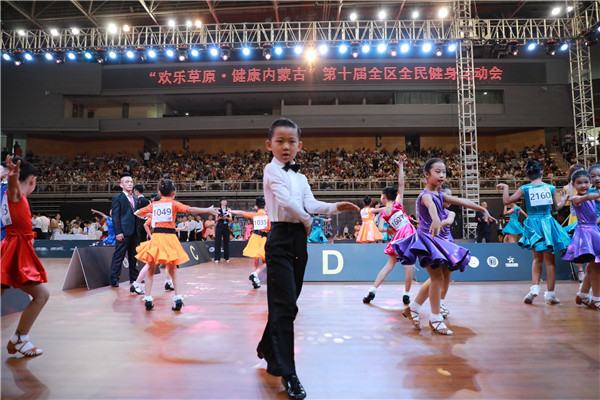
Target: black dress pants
point(127, 245)
point(286, 258)
point(221, 235)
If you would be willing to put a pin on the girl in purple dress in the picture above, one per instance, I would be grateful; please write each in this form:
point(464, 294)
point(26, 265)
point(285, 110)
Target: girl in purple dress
point(437, 255)
point(585, 243)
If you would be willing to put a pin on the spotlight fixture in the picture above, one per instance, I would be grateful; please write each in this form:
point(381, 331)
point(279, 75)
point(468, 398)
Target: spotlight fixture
point(246, 51)
point(268, 51)
point(590, 37)
point(343, 48)
point(21, 32)
point(404, 48)
point(512, 47)
point(182, 53)
point(365, 48)
point(298, 49)
point(551, 47)
point(393, 49)
point(112, 54)
point(101, 56)
point(195, 53)
point(6, 57)
point(214, 52)
point(381, 47)
point(531, 46)
point(443, 12)
point(75, 31)
point(452, 47)
point(170, 53)
point(323, 49)
point(225, 52)
point(311, 55)
point(130, 54)
point(88, 56)
point(278, 50)
point(59, 56)
point(49, 56)
point(354, 49)
point(353, 16)
point(126, 28)
point(415, 14)
point(438, 49)
point(426, 47)
point(142, 55)
point(564, 46)
point(27, 56)
point(382, 14)
point(112, 28)
point(151, 54)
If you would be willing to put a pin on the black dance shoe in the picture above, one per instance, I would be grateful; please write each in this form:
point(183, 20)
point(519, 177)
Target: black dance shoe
point(370, 296)
point(114, 284)
point(149, 305)
point(137, 290)
point(255, 281)
point(178, 305)
point(169, 286)
point(294, 388)
point(406, 299)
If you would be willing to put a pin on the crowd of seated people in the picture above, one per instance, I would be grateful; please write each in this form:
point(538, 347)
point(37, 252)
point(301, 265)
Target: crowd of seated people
point(203, 171)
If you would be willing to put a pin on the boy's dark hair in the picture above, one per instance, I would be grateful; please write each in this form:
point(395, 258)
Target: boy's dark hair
point(125, 174)
point(367, 201)
point(139, 187)
point(579, 173)
point(166, 187)
point(223, 198)
point(390, 192)
point(283, 122)
point(533, 170)
point(260, 202)
point(429, 163)
point(26, 169)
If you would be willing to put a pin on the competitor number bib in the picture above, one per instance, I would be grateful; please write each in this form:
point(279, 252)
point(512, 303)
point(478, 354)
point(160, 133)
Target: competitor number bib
point(162, 212)
point(398, 220)
point(540, 196)
point(260, 222)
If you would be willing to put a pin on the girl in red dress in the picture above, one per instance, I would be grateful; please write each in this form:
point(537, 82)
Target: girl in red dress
point(21, 268)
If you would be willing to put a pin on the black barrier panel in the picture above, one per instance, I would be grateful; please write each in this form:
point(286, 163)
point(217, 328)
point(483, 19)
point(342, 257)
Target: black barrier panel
point(60, 248)
point(197, 252)
point(236, 248)
point(90, 266)
point(13, 301)
point(363, 261)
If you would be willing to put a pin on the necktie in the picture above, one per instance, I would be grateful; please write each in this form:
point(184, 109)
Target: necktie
point(131, 201)
point(294, 167)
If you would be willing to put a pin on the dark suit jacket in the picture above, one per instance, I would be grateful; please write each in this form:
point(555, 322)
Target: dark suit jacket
point(122, 214)
point(483, 226)
point(139, 222)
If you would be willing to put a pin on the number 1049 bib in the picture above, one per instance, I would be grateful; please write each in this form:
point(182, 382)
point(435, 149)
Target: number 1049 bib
point(162, 212)
point(540, 196)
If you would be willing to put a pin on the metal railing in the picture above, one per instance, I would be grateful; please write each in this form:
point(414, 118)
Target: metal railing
point(254, 186)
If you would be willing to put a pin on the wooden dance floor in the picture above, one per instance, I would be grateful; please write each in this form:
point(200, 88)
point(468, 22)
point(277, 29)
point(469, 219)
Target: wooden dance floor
point(103, 344)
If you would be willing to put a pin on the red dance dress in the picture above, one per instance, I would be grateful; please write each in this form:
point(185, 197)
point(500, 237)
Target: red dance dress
point(20, 264)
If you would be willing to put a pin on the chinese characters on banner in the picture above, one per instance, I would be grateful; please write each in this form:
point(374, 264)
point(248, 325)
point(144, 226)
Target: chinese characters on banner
point(324, 74)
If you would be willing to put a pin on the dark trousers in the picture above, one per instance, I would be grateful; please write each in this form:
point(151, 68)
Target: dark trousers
point(221, 234)
point(286, 258)
point(183, 236)
point(192, 236)
point(127, 245)
point(483, 234)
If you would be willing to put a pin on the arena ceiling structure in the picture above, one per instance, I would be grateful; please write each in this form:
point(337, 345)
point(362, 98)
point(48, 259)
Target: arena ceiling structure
point(176, 30)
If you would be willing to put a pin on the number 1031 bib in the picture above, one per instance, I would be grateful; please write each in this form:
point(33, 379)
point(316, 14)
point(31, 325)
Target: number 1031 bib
point(540, 196)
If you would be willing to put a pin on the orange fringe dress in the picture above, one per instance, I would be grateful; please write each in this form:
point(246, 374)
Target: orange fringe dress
point(164, 247)
point(256, 244)
point(369, 233)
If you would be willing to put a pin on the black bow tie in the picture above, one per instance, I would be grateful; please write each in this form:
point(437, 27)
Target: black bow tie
point(294, 167)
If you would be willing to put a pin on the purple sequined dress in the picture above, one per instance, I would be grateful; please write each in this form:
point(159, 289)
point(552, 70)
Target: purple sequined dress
point(585, 244)
point(431, 251)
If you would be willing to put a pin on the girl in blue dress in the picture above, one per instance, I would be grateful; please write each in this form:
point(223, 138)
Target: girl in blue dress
point(514, 227)
point(437, 255)
point(316, 233)
point(541, 233)
point(111, 239)
point(585, 244)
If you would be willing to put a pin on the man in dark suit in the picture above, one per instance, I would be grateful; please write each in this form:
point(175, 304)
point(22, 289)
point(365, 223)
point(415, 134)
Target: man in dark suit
point(138, 191)
point(123, 206)
point(484, 229)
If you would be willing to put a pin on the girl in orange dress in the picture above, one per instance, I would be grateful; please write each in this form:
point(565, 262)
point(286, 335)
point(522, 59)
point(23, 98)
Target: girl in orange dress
point(21, 268)
point(164, 247)
point(369, 233)
point(256, 245)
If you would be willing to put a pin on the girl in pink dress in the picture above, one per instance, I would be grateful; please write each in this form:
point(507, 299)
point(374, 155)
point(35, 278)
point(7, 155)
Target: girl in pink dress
point(399, 221)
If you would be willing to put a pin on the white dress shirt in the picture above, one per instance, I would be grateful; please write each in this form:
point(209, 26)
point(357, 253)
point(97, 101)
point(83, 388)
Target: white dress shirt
point(288, 196)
